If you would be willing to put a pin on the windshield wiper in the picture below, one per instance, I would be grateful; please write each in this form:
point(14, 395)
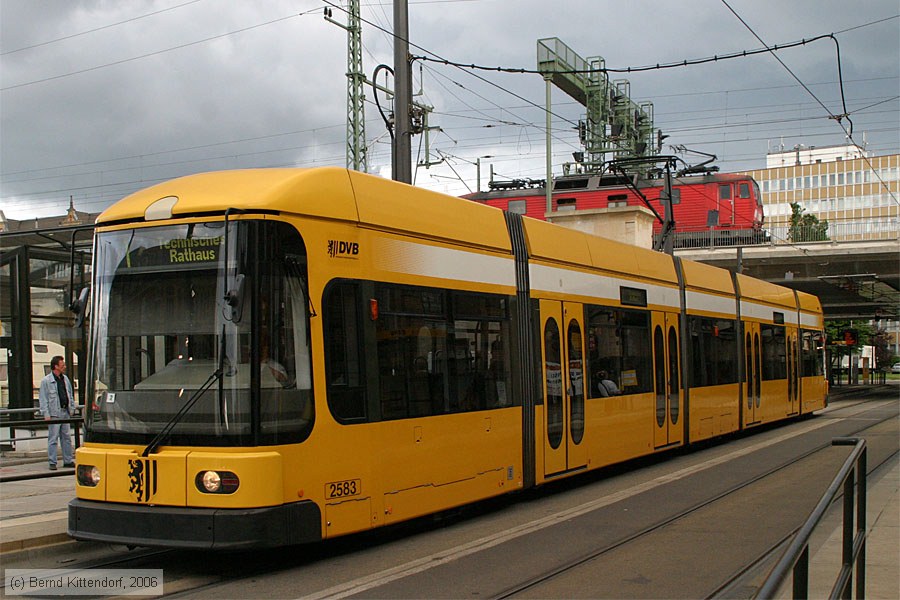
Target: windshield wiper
point(176, 418)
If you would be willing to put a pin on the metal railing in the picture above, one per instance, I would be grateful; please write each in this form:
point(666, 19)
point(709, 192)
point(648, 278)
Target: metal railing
point(35, 423)
point(780, 234)
point(719, 238)
point(853, 554)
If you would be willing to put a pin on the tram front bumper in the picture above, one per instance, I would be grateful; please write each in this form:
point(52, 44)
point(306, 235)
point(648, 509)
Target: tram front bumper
point(210, 528)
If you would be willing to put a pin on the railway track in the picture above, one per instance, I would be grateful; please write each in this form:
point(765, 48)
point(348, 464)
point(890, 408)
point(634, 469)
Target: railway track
point(192, 574)
point(737, 581)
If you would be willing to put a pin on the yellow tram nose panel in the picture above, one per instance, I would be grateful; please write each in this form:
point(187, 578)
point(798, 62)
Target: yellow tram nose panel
point(94, 458)
point(259, 473)
point(156, 479)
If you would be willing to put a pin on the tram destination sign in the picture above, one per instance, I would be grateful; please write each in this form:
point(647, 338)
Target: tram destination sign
point(178, 252)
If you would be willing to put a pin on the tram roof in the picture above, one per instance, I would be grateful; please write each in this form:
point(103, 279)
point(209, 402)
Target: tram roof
point(340, 194)
point(331, 193)
point(764, 291)
point(809, 302)
point(560, 244)
point(705, 277)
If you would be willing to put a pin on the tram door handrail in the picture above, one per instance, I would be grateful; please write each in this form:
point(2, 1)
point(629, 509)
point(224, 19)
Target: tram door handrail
point(796, 558)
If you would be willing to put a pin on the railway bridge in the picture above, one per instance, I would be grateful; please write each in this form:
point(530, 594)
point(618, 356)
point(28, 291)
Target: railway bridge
point(854, 279)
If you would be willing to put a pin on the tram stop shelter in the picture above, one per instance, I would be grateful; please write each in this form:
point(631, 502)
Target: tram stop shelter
point(44, 265)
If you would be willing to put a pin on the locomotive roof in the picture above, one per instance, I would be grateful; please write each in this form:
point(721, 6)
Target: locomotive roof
point(594, 182)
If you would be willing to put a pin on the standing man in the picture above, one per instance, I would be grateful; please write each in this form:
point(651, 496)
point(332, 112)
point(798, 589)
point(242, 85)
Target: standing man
point(58, 402)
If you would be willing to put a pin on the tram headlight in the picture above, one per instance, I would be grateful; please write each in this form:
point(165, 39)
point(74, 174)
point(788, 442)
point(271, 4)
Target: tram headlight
point(212, 482)
point(217, 482)
point(88, 475)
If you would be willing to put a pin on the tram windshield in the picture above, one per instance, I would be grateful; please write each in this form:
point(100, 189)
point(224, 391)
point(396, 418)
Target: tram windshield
point(172, 312)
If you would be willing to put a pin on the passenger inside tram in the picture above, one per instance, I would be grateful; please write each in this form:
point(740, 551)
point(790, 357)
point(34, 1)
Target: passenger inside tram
point(606, 386)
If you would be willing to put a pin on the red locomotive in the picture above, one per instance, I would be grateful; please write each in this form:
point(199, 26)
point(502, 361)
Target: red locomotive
point(709, 209)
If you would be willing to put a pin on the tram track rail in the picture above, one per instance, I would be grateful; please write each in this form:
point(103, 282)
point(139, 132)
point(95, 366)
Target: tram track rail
point(734, 582)
point(187, 575)
point(736, 578)
point(362, 586)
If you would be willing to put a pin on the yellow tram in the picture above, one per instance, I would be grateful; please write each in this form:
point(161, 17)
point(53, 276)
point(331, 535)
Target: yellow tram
point(289, 355)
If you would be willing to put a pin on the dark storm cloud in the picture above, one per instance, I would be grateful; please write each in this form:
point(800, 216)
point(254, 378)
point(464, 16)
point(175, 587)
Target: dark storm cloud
point(264, 81)
point(274, 95)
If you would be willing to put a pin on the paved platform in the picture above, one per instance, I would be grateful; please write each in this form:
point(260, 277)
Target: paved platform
point(33, 512)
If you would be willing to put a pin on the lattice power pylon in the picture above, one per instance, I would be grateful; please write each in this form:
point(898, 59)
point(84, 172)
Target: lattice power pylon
point(356, 79)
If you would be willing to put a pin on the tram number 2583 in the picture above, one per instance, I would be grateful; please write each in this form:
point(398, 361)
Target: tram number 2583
point(343, 489)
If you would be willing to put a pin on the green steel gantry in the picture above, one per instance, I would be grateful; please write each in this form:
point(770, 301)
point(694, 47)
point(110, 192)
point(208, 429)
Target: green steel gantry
point(613, 123)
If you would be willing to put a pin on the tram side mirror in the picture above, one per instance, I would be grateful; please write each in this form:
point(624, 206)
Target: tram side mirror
point(79, 306)
point(234, 298)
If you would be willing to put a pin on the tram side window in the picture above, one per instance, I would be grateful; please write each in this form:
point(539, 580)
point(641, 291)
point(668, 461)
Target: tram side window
point(344, 357)
point(811, 354)
point(408, 330)
point(481, 320)
point(774, 352)
point(619, 353)
point(714, 355)
point(440, 352)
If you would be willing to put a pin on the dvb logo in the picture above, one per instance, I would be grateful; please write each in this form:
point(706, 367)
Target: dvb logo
point(338, 249)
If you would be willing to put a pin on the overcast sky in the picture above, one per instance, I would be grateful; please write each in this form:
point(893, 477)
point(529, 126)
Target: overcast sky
point(101, 98)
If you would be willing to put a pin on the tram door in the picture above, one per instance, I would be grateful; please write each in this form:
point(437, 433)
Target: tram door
point(668, 429)
point(563, 368)
point(793, 372)
point(752, 373)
